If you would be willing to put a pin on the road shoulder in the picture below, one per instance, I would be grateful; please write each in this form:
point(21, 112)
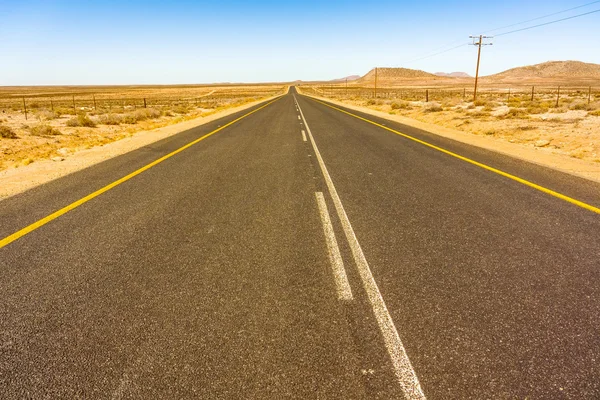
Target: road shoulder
point(580, 168)
point(18, 180)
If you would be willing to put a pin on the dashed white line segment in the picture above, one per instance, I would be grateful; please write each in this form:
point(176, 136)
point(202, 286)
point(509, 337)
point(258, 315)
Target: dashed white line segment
point(403, 369)
point(339, 273)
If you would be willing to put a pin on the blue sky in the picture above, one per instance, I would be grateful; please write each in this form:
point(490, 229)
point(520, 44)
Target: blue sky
point(144, 42)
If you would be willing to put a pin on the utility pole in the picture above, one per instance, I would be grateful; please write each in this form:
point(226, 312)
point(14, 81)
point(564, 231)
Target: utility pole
point(478, 41)
point(375, 82)
point(346, 87)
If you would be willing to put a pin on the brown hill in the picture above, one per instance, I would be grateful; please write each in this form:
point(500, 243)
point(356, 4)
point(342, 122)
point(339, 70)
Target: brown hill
point(393, 74)
point(453, 74)
point(551, 70)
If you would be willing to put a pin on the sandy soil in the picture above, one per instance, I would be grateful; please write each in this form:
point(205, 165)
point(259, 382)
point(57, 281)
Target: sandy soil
point(110, 143)
point(564, 139)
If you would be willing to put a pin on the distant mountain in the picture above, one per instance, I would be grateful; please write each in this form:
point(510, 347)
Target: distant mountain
point(349, 78)
point(391, 74)
point(453, 74)
point(551, 69)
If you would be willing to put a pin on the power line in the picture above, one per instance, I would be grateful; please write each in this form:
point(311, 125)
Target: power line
point(435, 54)
point(542, 17)
point(516, 30)
point(548, 23)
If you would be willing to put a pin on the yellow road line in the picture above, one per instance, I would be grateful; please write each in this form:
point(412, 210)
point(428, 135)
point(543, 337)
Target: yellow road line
point(9, 239)
point(470, 161)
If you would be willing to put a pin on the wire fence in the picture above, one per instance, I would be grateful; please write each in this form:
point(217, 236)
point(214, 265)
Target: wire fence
point(530, 93)
point(91, 102)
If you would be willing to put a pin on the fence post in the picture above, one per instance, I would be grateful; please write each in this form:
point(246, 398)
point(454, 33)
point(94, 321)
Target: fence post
point(589, 94)
point(557, 96)
point(145, 102)
point(123, 105)
point(109, 106)
point(51, 105)
point(74, 111)
point(94, 97)
point(532, 91)
point(508, 97)
point(464, 94)
point(25, 108)
point(426, 95)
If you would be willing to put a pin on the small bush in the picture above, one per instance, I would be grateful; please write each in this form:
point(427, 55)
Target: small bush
point(371, 102)
point(181, 109)
point(46, 115)
point(64, 111)
point(480, 102)
point(580, 106)
point(110, 119)
point(537, 109)
point(400, 105)
point(128, 119)
point(595, 113)
point(433, 107)
point(480, 113)
point(81, 120)
point(7, 133)
point(43, 130)
point(516, 113)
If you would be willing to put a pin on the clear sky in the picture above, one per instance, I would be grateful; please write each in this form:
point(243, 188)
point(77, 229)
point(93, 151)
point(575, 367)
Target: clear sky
point(144, 42)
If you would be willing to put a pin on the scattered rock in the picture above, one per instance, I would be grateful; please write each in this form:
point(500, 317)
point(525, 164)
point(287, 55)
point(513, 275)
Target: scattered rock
point(63, 151)
point(542, 143)
point(57, 158)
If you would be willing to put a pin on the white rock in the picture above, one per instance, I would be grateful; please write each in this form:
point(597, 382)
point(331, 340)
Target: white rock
point(542, 143)
point(57, 158)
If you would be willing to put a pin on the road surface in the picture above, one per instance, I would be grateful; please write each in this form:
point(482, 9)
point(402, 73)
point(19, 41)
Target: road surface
point(298, 250)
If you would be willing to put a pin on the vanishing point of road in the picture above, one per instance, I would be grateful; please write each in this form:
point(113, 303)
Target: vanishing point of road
point(302, 250)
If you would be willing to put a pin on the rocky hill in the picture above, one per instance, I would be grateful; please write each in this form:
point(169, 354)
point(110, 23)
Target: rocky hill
point(551, 70)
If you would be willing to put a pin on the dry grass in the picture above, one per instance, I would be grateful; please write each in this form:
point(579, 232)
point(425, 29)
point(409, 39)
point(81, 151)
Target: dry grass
point(44, 130)
point(6, 132)
point(117, 112)
point(571, 128)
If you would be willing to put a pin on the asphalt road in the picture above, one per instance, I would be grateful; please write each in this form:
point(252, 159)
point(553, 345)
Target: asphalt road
point(301, 252)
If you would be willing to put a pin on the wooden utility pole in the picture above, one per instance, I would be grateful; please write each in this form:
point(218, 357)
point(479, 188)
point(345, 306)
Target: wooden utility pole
point(478, 41)
point(557, 96)
point(346, 86)
point(375, 82)
point(94, 97)
point(532, 92)
point(74, 111)
point(25, 108)
point(589, 94)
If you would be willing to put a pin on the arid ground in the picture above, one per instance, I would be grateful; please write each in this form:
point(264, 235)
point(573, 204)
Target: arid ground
point(63, 120)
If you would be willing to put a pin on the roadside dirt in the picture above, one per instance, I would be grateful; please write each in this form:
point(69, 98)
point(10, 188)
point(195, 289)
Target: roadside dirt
point(568, 140)
point(27, 176)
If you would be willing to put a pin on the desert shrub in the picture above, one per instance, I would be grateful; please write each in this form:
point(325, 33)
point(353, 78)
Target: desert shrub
point(146, 113)
point(579, 106)
point(64, 111)
point(559, 110)
point(128, 118)
point(81, 120)
point(46, 115)
point(516, 113)
point(181, 109)
point(110, 119)
point(397, 105)
point(482, 113)
point(432, 107)
point(43, 130)
point(7, 133)
point(595, 113)
point(371, 102)
point(480, 102)
point(537, 108)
